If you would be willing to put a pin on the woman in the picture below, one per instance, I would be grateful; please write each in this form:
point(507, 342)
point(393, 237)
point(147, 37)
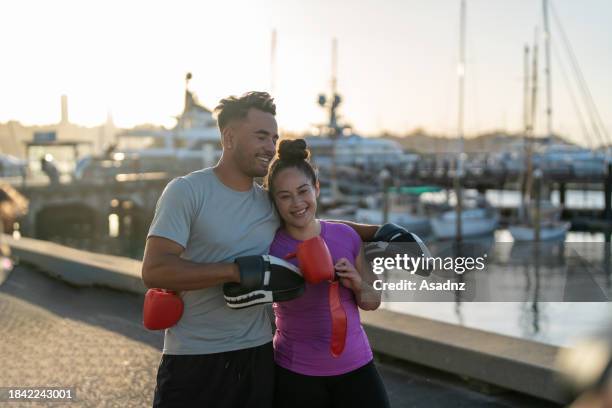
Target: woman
point(307, 375)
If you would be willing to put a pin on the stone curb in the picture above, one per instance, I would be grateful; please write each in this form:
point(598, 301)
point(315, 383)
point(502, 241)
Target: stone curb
point(77, 267)
point(507, 362)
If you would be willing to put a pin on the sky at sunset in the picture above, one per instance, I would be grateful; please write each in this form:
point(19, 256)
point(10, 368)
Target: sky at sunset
point(396, 64)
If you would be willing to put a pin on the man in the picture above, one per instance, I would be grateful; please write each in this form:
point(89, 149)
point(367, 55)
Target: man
point(217, 356)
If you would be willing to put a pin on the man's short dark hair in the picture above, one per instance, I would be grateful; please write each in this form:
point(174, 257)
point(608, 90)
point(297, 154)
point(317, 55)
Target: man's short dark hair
point(234, 107)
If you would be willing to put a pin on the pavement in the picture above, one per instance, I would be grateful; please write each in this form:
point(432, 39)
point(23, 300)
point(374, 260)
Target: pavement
point(92, 339)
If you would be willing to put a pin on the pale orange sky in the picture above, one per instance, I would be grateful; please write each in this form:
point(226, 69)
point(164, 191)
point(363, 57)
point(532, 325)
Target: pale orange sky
point(397, 60)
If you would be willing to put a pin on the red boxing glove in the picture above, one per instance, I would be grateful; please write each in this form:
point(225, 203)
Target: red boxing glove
point(315, 260)
point(162, 309)
point(317, 266)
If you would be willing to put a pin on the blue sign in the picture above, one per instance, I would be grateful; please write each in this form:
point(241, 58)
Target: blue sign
point(45, 137)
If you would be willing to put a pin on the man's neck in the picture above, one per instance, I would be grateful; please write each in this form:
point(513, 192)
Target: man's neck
point(232, 177)
point(303, 233)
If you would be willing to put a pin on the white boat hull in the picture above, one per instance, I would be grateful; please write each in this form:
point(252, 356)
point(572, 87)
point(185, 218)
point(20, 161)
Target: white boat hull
point(474, 223)
point(413, 223)
point(547, 233)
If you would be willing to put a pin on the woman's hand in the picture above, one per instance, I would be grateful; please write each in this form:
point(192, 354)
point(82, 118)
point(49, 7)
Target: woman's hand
point(359, 279)
point(349, 277)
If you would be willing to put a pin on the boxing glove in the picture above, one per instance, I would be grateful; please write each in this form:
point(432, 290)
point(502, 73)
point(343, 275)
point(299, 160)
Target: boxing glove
point(263, 279)
point(391, 240)
point(315, 260)
point(162, 309)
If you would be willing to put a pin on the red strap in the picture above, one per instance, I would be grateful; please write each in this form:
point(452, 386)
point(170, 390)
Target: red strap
point(338, 316)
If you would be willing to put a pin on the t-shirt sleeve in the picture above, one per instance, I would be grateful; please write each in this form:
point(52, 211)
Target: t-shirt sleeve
point(355, 242)
point(350, 238)
point(174, 212)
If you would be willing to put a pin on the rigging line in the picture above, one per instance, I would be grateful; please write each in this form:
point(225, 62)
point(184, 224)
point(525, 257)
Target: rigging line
point(573, 97)
point(580, 80)
point(574, 61)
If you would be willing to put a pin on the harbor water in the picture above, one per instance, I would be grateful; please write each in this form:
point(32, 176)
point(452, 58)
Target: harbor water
point(554, 323)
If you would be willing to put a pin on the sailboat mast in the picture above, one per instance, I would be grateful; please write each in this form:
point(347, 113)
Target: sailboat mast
point(532, 121)
point(460, 114)
point(549, 124)
point(273, 63)
point(526, 91)
point(461, 74)
point(526, 148)
point(333, 123)
point(534, 86)
point(334, 79)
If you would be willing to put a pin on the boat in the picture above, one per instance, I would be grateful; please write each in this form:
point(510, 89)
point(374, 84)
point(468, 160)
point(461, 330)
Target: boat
point(548, 232)
point(354, 150)
point(405, 209)
point(551, 226)
point(349, 164)
point(478, 217)
point(470, 217)
point(11, 166)
point(193, 143)
point(565, 159)
point(552, 159)
point(476, 222)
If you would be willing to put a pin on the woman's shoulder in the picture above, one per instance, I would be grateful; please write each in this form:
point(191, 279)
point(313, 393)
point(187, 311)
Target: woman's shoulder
point(281, 242)
point(335, 229)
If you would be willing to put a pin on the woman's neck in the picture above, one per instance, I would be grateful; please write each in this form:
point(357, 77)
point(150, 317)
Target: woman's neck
point(306, 232)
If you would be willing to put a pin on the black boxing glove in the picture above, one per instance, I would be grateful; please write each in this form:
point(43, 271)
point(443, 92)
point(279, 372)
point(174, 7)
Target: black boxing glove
point(391, 239)
point(263, 279)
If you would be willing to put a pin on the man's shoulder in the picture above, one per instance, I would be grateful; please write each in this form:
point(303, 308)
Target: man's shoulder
point(195, 181)
point(199, 175)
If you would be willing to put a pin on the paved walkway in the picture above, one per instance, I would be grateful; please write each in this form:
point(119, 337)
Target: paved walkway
point(52, 334)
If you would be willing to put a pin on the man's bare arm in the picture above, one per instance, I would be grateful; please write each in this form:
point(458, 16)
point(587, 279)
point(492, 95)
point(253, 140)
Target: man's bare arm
point(162, 267)
point(366, 231)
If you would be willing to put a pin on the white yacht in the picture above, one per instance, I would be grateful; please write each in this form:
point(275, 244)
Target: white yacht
point(582, 162)
point(358, 151)
point(193, 143)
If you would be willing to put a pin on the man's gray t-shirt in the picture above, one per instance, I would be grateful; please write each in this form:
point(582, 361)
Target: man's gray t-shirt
point(215, 224)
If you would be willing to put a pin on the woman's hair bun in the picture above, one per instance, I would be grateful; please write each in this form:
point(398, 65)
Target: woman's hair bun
point(293, 150)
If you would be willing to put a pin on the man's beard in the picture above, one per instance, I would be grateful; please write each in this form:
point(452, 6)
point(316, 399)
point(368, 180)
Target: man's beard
point(249, 165)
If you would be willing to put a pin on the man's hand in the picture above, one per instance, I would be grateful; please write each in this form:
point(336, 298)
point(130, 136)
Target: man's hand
point(263, 279)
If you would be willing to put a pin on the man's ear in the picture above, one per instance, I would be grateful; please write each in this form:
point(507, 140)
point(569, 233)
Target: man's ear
point(227, 135)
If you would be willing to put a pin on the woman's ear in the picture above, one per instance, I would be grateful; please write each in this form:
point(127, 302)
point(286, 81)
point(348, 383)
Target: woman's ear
point(317, 189)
